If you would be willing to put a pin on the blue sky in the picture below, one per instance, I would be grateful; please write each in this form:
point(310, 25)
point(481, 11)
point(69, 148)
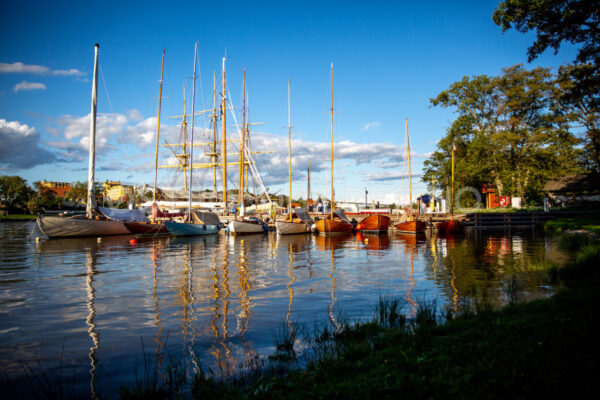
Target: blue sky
point(389, 59)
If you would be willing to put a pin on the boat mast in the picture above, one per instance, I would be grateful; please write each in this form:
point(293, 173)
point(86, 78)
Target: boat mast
point(184, 154)
point(452, 190)
point(409, 178)
point(162, 68)
point(223, 126)
point(214, 144)
point(192, 134)
point(289, 154)
point(331, 125)
point(308, 191)
point(91, 198)
point(242, 140)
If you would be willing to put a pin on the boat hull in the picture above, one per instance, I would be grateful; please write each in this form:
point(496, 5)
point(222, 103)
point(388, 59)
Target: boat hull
point(290, 227)
point(333, 227)
point(374, 224)
point(411, 227)
point(451, 226)
point(57, 227)
point(245, 227)
point(144, 228)
point(187, 229)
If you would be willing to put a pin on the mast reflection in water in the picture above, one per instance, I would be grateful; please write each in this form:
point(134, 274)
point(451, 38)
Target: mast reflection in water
point(216, 302)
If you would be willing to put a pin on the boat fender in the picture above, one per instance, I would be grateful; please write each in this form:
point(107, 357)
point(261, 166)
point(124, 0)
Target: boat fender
point(358, 227)
point(265, 228)
point(203, 227)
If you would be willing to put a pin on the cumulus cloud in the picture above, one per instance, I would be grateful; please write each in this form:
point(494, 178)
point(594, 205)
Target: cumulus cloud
point(29, 86)
point(371, 125)
point(20, 146)
point(271, 165)
point(20, 68)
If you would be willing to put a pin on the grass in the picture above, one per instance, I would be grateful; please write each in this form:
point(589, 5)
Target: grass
point(19, 217)
point(584, 222)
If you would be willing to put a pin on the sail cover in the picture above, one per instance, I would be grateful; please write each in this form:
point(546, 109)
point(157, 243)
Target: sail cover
point(302, 214)
point(204, 217)
point(117, 214)
point(340, 213)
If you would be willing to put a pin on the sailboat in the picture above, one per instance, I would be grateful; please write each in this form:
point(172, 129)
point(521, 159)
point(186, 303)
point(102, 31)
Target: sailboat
point(411, 225)
point(451, 225)
point(193, 226)
point(331, 226)
point(244, 224)
point(302, 221)
point(375, 223)
point(91, 224)
point(146, 227)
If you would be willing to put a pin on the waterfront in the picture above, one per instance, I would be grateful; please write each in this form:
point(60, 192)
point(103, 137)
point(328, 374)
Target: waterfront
point(219, 301)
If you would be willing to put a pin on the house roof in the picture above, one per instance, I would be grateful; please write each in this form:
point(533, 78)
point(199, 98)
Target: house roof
point(574, 183)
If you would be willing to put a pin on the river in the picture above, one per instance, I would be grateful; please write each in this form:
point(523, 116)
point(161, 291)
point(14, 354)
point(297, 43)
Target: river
point(87, 310)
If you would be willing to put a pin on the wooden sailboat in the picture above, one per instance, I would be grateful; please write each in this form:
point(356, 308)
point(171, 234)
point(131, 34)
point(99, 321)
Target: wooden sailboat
point(92, 224)
point(152, 228)
point(452, 225)
point(375, 223)
point(190, 228)
point(411, 225)
point(301, 223)
point(331, 226)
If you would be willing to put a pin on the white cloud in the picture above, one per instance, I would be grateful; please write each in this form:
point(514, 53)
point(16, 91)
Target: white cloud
point(371, 125)
point(29, 86)
point(20, 68)
point(20, 146)
point(390, 176)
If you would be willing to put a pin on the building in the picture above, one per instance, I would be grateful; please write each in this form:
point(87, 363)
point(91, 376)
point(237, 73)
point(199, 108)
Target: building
point(115, 191)
point(59, 188)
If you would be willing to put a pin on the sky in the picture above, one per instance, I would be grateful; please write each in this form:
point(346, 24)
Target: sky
point(389, 59)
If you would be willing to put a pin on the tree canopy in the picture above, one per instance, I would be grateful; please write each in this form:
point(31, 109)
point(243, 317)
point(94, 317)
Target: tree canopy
point(507, 134)
point(555, 21)
point(14, 191)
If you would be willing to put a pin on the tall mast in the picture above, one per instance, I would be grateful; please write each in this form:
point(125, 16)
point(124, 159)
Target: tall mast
point(409, 180)
point(289, 153)
point(242, 140)
point(452, 190)
point(184, 151)
point(192, 134)
point(162, 68)
point(214, 144)
point(308, 194)
point(91, 198)
point(331, 112)
point(223, 126)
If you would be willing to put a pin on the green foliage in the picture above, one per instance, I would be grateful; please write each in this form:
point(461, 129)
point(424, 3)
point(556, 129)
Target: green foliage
point(505, 134)
point(554, 21)
point(14, 192)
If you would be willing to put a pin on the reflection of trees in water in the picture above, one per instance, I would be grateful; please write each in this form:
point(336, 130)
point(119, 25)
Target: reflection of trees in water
point(480, 265)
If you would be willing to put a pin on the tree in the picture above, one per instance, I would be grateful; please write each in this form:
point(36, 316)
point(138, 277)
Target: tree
point(506, 133)
point(14, 191)
point(555, 21)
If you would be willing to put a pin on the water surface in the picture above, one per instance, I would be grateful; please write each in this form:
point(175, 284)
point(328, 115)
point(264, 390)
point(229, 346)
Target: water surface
point(84, 309)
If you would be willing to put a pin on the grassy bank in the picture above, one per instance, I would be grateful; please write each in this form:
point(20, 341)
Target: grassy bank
point(17, 217)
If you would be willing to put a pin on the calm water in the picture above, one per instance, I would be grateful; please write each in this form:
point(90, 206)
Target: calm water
point(89, 306)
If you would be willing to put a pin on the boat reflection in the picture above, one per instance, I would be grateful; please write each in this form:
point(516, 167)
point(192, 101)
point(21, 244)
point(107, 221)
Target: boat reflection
point(94, 335)
point(331, 242)
point(374, 241)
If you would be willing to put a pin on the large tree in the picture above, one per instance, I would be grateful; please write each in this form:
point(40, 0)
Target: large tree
point(576, 22)
point(555, 21)
point(506, 133)
point(14, 191)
